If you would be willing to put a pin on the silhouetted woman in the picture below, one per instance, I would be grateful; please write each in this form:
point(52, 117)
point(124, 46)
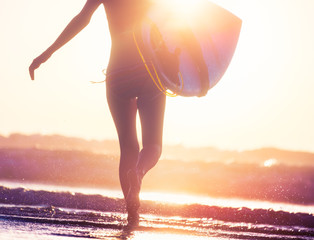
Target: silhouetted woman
point(129, 89)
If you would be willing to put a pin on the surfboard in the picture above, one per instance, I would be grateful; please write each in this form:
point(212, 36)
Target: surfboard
point(187, 50)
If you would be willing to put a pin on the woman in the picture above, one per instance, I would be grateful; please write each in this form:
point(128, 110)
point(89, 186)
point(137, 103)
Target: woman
point(129, 89)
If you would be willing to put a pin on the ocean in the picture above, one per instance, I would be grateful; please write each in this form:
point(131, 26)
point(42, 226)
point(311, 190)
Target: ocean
point(192, 193)
point(32, 211)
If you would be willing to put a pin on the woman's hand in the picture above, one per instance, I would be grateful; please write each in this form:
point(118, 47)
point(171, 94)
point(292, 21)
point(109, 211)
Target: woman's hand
point(37, 62)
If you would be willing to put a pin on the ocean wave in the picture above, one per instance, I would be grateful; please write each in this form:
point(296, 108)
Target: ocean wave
point(12, 200)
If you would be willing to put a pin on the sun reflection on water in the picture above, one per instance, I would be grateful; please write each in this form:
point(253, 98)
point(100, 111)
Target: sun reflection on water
point(270, 162)
point(167, 236)
point(223, 202)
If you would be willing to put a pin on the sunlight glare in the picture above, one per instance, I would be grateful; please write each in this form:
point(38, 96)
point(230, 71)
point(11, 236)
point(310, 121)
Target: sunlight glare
point(170, 198)
point(176, 198)
point(270, 162)
point(178, 11)
point(184, 7)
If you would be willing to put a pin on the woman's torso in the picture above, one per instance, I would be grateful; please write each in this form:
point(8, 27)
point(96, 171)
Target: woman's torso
point(123, 15)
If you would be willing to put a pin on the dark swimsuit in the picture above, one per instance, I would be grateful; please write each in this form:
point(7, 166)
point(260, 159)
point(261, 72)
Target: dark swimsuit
point(132, 82)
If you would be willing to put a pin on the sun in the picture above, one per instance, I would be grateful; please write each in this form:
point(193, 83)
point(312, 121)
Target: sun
point(185, 7)
point(176, 14)
point(181, 8)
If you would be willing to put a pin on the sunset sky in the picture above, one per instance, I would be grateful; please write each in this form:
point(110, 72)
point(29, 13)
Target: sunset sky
point(265, 98)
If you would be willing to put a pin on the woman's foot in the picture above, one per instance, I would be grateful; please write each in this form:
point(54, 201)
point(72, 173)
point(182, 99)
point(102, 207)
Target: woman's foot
point(133, 199)
point(133, 221)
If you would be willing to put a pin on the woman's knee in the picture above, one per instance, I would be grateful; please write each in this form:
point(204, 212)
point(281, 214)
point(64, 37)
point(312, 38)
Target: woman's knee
point(153, 149)
point(129, 149)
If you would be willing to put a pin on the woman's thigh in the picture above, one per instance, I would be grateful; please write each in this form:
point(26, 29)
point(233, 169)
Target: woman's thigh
point(123, 112)
point(151, 111)
point(131, 90)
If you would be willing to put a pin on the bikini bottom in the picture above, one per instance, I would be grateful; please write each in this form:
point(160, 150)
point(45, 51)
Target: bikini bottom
point(131, 82)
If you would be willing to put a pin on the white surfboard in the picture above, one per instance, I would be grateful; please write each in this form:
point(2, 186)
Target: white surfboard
point(187, 51)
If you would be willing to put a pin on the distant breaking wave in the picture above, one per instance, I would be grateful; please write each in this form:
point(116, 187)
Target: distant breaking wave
point(266, 179)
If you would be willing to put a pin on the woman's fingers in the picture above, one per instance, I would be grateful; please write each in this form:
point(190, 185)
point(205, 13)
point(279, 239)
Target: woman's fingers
point(32, 68)
point(36, 63)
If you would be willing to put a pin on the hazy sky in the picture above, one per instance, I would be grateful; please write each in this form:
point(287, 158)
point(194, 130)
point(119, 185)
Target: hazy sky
point(265, 98)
